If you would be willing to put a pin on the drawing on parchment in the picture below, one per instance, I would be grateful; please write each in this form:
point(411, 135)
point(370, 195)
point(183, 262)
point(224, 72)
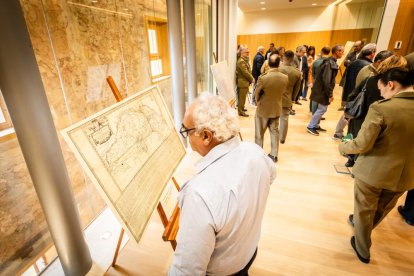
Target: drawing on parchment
point(130, 150)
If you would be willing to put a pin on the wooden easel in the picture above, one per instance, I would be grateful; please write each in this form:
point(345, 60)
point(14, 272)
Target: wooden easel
point(170, 225)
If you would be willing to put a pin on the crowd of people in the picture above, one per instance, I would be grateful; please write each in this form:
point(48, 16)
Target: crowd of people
point(221, 212)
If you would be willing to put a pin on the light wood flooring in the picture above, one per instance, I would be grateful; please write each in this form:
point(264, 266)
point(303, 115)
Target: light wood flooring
point(305, 230)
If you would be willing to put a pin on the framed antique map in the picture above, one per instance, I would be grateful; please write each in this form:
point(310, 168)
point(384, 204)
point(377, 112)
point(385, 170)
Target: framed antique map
point(130, 151)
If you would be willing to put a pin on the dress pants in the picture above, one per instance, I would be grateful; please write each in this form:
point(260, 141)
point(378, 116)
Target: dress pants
point(409, 206)
point(371, 205)
point(340, 126)
point(241, 99)
point(284, 123)
point(261, 124)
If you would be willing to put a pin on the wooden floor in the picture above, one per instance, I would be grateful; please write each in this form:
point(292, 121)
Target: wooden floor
point(305, 230)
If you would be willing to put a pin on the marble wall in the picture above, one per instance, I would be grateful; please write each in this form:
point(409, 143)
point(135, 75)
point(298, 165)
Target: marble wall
point(77, 44)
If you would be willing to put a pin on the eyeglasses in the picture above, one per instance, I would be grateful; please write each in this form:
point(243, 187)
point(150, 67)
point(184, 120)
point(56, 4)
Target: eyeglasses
point(184, 131)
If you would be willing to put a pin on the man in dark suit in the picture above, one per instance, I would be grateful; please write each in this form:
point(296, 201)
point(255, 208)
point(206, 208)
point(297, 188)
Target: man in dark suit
point(271, 49)
point(301, 63)
point(350, 57)
point(268, 95)
point(257, 65)
point(322, 90)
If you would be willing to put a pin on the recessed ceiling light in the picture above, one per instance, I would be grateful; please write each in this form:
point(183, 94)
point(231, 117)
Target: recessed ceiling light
point(263, 9)
point(262, 3)
point(314, 4)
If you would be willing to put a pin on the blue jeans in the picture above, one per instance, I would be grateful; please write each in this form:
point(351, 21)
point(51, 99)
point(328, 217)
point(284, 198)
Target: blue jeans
point(316, 117)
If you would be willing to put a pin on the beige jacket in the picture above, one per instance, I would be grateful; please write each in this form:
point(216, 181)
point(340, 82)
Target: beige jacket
point(292, 89)
point(268, 94)
point(243, 72)
point(386, 144)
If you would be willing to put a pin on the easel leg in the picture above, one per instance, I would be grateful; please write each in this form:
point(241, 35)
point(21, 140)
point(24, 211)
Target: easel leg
point(118, 246)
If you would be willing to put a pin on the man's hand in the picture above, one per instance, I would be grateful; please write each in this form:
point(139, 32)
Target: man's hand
point(310, 85)
point(331, 99)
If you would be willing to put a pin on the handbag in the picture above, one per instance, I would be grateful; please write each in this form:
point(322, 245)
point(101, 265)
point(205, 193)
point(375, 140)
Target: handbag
point(354, 108)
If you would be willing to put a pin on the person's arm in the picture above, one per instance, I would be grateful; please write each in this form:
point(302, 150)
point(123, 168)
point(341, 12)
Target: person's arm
point(258, 92)
point(196, 238)
point(366, 136)
point(262, 70)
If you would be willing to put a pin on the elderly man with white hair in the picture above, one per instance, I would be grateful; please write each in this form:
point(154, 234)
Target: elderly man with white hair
point(222, 206)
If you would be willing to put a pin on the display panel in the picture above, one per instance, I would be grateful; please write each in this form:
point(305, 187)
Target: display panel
point(130, 151)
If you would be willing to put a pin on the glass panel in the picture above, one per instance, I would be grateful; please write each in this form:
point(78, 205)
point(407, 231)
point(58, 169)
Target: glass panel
point(152, 38)
point(2, 118)
point(156, 67)
point(203, 45)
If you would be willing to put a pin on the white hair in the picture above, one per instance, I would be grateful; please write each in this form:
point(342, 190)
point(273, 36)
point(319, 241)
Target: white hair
point(260, 48)
point(215, 114)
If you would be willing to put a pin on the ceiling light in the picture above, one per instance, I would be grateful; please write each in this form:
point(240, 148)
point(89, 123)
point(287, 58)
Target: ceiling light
point(262, 3)
point(263, 9)
point(314, 4)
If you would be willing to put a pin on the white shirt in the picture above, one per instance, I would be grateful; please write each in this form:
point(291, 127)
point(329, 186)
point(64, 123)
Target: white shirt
point(222, 208)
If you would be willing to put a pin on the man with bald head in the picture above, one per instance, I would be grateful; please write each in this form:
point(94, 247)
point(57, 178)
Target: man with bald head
point(268, 95)
point(222, 206)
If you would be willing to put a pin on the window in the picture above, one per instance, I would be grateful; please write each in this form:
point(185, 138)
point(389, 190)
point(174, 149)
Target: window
point(157, 35)
point(5, 121)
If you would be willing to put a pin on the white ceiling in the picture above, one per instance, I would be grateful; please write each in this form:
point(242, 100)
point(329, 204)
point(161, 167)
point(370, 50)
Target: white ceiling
point(254, 5)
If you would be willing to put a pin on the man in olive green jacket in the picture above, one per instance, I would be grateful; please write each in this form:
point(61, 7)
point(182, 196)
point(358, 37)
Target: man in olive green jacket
point(244, 79)
point(384, 169)
point(268, 95)
point(294, 79)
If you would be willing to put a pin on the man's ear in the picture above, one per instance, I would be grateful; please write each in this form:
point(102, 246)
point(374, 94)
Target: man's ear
point(207, 136)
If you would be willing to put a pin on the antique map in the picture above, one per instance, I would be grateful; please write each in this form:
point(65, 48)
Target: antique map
point(130, 150)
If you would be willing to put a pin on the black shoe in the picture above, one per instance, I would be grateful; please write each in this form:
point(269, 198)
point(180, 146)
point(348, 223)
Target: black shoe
point(351, 220)
point(320, 129)
point(362, 259)
point(243, 114)
point(402, 213)
point(350, 163)
point(337, 137)
point(274, 158)
point(313, 131)
point(298, 103)
point(282, 141)
point(304, 99)
point(323, 118)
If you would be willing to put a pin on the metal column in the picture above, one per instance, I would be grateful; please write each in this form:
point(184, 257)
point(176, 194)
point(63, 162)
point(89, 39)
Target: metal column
point(190, 49)
point(25, 98)
point(176, 58)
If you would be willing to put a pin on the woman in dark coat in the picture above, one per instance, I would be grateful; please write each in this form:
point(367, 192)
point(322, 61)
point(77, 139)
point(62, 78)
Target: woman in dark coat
point(372, 93)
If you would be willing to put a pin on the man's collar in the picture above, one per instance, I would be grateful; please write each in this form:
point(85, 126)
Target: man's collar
point(216, 153)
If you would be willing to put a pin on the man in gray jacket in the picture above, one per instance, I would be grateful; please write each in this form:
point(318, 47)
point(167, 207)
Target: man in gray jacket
point(322, 90)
